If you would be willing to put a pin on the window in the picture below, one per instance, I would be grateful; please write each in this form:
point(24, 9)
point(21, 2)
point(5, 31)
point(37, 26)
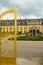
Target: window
point(10, 29)
point(13, 29)
point(24, 29)
point(17, 29)
point(7, 23)
point(20, 28)
point(11, 22)
point(0, 29)
point(3, 29)
point(6, 29)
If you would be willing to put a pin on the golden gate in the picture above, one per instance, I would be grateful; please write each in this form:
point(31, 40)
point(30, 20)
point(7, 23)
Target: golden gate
point(8, 41)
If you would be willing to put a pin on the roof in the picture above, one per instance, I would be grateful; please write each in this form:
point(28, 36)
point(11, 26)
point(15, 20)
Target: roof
point(19, 21)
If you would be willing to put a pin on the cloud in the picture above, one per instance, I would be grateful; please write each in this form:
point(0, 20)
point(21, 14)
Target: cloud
point(8, 16)
point(25, 8)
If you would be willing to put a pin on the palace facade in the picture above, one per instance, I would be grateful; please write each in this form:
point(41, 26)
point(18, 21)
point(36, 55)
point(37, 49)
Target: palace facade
point(23, 25)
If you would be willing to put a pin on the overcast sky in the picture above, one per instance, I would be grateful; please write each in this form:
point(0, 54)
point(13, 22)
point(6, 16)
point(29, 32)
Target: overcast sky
point(25, 8)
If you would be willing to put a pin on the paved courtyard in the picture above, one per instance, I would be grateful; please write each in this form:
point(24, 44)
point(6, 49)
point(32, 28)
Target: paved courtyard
point(31, 52)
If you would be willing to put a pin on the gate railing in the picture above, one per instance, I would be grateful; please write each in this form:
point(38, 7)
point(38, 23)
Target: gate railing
point(8, 42)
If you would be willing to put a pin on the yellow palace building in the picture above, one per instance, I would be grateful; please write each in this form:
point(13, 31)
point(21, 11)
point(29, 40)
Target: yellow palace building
point(23, 25)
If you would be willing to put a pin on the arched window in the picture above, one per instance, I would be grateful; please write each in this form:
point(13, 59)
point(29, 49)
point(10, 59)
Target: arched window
point(38, 31)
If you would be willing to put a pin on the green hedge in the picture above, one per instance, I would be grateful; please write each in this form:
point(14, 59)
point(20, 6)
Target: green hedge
point(30, 38)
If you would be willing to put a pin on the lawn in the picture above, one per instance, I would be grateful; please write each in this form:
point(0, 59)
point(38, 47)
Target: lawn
point(31, 38)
